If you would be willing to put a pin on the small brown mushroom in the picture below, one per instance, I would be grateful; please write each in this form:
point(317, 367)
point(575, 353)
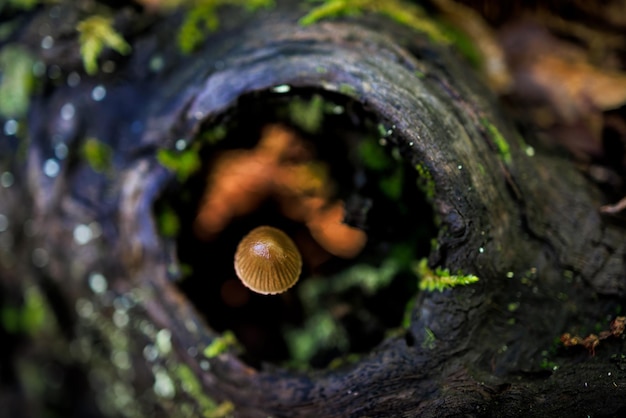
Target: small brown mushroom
point(267, 261)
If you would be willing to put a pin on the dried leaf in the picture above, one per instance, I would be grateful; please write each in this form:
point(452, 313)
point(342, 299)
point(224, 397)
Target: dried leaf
point(280, 167)
point(556, 73)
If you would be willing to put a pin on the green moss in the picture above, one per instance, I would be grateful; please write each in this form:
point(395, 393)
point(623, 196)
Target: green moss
point(439, 279)
point(368, 278)
point(429, 339)
point(425, 181)
point(183, 163)
point(513, 306)
point(307, 114)
point(345, 360)
point(96, 33)
point(168, 222)
point(28, 318)
point(220, 345)
point(18, 4)
point(408, 313)
point(201, 19)
point(347, 89)
point(405, 13)
point(213, 135)
point(496, 137)
point(191, 385)
point(17, 81)
point(320, 331)
point(98, 154)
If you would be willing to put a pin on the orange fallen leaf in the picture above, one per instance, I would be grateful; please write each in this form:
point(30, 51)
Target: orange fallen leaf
point(327, 228)
point(280, 167)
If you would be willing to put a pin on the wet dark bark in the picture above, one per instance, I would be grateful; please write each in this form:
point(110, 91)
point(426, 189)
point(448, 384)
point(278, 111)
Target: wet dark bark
point(528, 226)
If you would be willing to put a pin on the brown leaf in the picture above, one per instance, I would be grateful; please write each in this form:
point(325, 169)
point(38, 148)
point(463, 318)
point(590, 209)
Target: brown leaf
point(547, 70)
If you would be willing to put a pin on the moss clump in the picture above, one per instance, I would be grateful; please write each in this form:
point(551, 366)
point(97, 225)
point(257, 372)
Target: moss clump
point(213, 135)
point(402, 12)
point(17, 81)
point(191, 385)
point(429, 340)
point(183, 163)
point(201, 19)
point(97, 33)
point(440, 279)
point(307, 114)
point(498, 139)
point(425, 181)
point(220, 345)
point(98, 154)
point(391, 175)
point(168, 221)
point(19, 4)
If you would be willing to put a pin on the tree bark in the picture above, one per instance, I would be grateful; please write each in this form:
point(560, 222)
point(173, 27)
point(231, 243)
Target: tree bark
point(527, 224)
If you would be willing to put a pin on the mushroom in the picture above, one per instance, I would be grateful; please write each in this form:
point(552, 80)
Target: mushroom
point(267, 261)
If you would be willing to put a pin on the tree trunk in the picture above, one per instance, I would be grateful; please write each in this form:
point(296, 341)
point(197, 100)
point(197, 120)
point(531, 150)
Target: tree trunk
point(522, 219)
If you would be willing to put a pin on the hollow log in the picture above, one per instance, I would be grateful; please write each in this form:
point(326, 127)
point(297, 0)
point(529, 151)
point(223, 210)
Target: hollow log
point(522, 218)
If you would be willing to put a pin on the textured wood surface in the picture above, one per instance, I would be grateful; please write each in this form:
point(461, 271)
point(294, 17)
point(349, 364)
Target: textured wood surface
point(528, 226)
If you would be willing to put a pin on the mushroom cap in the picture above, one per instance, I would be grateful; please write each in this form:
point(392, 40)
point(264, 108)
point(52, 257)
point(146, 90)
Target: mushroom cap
point(267, 261)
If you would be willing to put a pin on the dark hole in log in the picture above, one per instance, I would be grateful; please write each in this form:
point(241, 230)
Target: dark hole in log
point(399, 229)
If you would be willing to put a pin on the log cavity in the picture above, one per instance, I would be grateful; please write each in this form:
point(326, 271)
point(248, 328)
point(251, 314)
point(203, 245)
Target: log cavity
point(343, 305)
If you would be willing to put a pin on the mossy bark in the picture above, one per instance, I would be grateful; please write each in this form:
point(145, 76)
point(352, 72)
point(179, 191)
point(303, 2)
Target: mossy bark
point(527, 224)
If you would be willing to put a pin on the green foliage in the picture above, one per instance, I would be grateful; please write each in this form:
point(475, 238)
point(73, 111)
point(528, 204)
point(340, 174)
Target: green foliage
point(201, 19)
point(17, 81)
point(97, 33)
point(183, 163)
point(98, 154)
point(402, 12)
point(425, 181)
point(220, 345)
point(440, 279)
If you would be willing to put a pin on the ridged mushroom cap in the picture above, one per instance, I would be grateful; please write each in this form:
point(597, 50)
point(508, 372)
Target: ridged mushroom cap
point(267, 261)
